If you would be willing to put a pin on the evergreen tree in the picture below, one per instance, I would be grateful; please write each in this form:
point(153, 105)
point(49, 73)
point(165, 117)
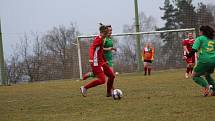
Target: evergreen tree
point(171, 43)
point(204, 15)
point(185, 15)
point(169, 15)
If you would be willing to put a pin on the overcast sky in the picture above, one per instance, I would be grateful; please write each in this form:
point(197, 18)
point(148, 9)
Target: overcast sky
point(25, 16)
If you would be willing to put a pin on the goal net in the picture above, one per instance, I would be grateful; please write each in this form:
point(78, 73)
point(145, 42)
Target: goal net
point(167, 44)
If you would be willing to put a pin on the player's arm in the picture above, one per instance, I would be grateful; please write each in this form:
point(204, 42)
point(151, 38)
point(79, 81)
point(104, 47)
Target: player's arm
point(143, 54)
point(109, 49)
point(96, 43)
point(184, 43)
point(195, 58)
point(153, 53)
point(185, 50)
point(192, 53)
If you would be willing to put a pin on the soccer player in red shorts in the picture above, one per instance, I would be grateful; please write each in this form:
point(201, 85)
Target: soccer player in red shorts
point(98, 64)
point(187, 46)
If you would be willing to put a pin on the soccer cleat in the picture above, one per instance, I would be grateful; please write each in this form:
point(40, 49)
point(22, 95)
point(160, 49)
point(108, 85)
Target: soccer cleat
point(205, 91)
point(186, 75)
point(83, 91)
point(108, 95)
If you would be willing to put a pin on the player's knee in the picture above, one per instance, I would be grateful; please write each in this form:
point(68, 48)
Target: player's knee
point(112, 76)
point(102, 81)
point(195, 79)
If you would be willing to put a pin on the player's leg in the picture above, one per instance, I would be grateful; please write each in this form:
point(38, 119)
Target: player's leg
point(192, 64)
point(109, 73)
point(110, 64)
point(209, 79)
point(99, 73)
point(191, 67)
point(88, 75)
point(149, 68)
point(188, 61)
point(145, 67)
point(187, 71)
point(200, 70)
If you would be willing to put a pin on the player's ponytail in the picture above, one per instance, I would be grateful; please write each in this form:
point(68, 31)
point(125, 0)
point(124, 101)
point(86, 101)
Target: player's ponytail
point(101, 24)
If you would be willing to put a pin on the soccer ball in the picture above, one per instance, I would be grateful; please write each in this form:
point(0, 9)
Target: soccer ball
point(117, 94)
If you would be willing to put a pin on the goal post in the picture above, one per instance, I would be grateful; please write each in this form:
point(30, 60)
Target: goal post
point(3, 68)
point(83, 43)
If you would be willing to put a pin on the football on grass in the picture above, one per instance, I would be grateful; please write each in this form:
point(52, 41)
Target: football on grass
point(117, 94)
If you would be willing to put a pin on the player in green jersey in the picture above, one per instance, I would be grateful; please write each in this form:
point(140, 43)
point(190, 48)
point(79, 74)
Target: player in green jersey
point(108, 49)
point(205, 45)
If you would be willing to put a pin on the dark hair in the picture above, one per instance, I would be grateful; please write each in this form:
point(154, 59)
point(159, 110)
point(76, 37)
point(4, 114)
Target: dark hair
point(102, 28)
point(207, 31)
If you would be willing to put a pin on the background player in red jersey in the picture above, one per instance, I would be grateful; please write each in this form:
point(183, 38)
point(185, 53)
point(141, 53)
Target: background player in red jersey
point(98, 64)
point(187, 46)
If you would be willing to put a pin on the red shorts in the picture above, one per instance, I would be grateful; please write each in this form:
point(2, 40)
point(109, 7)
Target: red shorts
point(102, 70)
point(191, 60)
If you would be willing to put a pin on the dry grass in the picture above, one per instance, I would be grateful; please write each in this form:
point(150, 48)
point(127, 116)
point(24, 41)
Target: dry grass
point(164, 96)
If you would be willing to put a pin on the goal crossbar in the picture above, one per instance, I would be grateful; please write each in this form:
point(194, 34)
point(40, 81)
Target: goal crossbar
point(138, 33)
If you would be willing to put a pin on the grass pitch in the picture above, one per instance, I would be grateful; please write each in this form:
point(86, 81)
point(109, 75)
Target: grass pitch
point(163, 96)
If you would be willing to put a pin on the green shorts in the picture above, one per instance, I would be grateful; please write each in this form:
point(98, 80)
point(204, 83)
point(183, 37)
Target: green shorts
point(204, 68)
point(110, 63)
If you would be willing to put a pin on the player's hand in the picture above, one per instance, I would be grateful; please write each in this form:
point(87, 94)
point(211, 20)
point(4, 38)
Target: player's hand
point(114, 49)
point(110, 48)
point(185, 57)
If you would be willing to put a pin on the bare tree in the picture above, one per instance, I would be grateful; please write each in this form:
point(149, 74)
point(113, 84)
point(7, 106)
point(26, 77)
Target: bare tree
point(59, 43)
point(14, 70)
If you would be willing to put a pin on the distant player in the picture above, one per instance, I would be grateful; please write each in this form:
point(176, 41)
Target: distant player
point(187, 46)
point(108, 49)
point(148, 57)
point(98, 64)
point(205, 44)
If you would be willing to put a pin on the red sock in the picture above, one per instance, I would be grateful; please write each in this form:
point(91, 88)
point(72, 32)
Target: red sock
point(149, 71)
point(145, 70)
point(110, 85)
point(188, 70)
point(109, 73)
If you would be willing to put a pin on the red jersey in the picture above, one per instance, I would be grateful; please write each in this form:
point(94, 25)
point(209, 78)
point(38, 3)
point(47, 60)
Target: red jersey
point(188, 43)
point(148, 53)
point(96, 52)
